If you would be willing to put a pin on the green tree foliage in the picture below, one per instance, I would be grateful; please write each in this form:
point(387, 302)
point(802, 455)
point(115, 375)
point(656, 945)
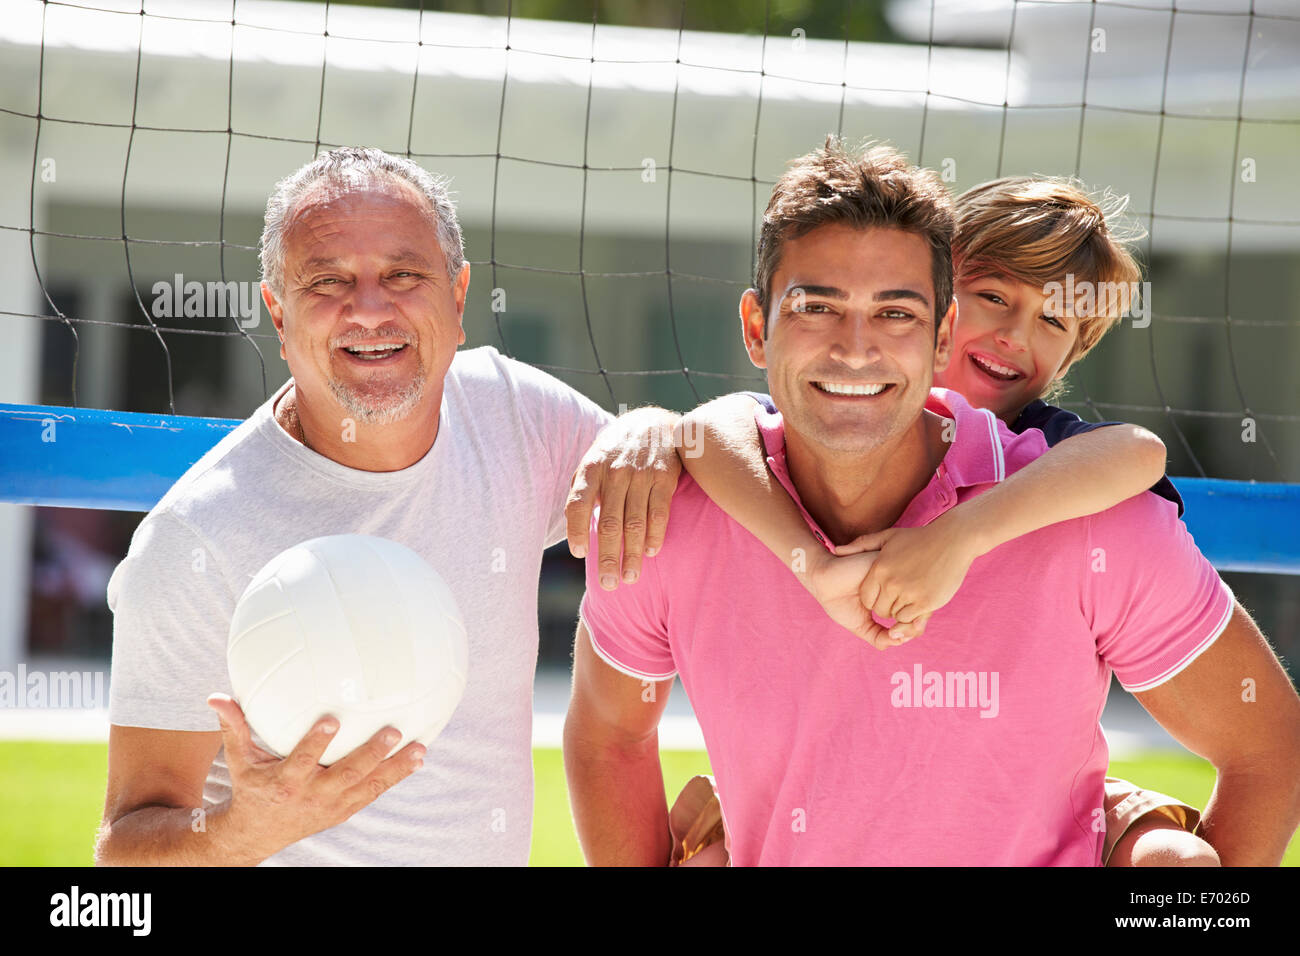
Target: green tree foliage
point(859, 20)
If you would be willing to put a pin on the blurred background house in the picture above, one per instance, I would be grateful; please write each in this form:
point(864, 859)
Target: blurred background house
point(609, 181)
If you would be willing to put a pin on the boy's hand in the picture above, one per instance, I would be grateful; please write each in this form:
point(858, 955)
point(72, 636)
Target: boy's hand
point(917, 571)
point(836, 583)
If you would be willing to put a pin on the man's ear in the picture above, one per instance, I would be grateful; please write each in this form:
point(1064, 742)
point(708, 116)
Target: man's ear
point(752, 330)
point(943, 338)
point(460, 289)
point(277, 315)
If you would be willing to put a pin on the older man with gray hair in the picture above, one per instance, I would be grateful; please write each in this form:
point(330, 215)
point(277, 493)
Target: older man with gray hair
point(383, 429)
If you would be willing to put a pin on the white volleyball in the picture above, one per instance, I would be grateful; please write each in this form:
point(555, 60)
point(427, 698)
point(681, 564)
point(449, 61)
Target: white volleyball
point(350, 625)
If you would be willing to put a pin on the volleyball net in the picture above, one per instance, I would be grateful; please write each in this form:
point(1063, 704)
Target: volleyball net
point(610, 177)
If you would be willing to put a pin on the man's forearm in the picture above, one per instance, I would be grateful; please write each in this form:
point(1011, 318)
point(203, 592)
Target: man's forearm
point(1252, 815)
point(175, 836)
point(617, 795)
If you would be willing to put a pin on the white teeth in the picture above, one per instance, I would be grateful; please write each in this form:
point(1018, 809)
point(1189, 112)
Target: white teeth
point(374, 348)
point(373, 353)
point(850, 389)
point(995, 368)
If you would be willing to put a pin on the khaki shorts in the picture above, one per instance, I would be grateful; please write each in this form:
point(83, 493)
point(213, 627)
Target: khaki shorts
point(1126, 804)
point(695, 821)
point(700, 838)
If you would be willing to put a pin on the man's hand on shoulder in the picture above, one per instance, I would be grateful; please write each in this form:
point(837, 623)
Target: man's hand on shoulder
point(631, 472)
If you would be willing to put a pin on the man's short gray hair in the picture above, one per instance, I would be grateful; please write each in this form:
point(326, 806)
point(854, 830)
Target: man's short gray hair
point(346, 166)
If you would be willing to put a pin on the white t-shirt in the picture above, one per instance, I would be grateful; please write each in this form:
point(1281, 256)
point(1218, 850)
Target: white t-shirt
point(480, 507)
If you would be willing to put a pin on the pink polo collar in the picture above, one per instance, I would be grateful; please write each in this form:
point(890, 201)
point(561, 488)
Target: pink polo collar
point(975, 457)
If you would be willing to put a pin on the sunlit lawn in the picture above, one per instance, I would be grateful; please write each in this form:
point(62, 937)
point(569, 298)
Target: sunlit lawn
point(51, 797)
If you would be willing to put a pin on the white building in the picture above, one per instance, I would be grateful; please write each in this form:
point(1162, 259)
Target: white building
point(656, 158)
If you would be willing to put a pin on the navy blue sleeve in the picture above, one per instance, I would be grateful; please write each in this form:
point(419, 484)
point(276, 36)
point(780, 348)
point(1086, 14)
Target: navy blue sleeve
point(764, 400)
point(1057, 424)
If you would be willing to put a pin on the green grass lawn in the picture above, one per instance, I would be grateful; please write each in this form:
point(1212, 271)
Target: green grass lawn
point(52, 794)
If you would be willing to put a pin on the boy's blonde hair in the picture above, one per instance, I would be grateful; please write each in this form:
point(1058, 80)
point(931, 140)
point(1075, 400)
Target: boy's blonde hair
point(1039, 230)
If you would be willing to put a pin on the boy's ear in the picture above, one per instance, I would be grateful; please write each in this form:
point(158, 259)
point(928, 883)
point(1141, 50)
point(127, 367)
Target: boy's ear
point(943, 338)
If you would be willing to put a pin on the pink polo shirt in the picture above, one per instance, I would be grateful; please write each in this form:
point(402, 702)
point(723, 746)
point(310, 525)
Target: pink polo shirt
point(978, 743)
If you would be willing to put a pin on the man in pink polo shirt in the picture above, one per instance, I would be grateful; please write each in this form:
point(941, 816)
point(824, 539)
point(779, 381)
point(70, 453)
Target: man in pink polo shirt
point(978, 743)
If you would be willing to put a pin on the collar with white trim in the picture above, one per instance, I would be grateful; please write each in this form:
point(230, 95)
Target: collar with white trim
point(974, 457)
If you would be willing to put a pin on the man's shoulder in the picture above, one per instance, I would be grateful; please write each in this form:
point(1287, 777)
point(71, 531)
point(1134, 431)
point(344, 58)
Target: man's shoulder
point(229, 469)
point(988, 448)
point(483, 371)
point(695, 549)
point(694, 522)
point(1147, 512)
point(1039, 414)
point(696, 528)
point(1056, 424)
point(1144, 514)
point(1018, 450)
point(690, 496)
point(482, 363)
point(484, 366)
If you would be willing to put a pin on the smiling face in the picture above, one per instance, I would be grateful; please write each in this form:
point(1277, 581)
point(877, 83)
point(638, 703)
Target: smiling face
point(368, 318)
point(1008, 347)
point(850, 351)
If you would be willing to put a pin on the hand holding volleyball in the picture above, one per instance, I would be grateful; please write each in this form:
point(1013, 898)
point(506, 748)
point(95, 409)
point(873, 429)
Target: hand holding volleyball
point(348, 656)
point(353, 626)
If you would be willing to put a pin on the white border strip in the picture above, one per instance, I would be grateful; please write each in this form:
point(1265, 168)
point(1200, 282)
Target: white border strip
point(622, 669)
point(1176, 669)
point(999, 460)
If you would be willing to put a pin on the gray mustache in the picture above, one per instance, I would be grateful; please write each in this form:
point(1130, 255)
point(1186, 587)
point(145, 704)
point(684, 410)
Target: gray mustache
point(370, 335)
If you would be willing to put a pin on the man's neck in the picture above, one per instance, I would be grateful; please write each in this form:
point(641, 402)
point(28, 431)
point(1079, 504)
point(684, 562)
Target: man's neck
point(337, 436)
point(852, 495)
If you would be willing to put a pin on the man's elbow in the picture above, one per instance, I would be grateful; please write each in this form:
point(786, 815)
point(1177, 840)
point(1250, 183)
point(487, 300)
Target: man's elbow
point(588, 739)
point(603, 760)
point(1293, 780)
point(1286, 771)
point(101, 847)
point(1286, 755)
point(1275, 769)
point(104, 854)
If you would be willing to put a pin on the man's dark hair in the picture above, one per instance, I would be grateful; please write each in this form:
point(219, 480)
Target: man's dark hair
point(873, 187)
